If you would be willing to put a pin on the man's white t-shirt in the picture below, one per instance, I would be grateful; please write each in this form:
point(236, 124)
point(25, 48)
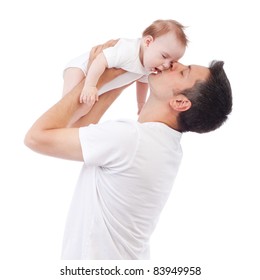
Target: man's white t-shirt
point(128, 173)
point(125, 55)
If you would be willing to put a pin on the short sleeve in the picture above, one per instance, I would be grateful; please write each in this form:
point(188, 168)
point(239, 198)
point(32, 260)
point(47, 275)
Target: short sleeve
point(114, 55)
point(143, 79)
point(111, 144)
point(124, 53)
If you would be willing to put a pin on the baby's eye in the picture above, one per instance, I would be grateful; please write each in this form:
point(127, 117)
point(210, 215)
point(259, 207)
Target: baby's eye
point(164, 56)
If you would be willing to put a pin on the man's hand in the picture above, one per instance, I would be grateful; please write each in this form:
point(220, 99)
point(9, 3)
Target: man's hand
point(51, 135)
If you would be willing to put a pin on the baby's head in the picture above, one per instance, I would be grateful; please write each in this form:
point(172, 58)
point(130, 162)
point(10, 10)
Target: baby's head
point(163, 42)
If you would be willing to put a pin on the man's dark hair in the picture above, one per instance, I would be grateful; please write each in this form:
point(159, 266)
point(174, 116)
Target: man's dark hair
point(211, 102)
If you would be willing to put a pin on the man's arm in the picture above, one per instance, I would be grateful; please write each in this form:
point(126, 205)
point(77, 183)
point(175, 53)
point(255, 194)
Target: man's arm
point(99, 108)
point(50, 134)
point(106, 99)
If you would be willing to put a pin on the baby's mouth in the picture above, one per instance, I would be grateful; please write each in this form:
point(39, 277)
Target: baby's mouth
point(156, 70)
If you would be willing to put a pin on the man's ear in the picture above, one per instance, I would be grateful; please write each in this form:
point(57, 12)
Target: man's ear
point(180, 103)
point(147, 40)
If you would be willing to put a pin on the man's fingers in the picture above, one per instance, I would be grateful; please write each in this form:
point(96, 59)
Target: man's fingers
point(109, 43)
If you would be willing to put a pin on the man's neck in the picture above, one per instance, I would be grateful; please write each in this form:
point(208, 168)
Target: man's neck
point(154, 111)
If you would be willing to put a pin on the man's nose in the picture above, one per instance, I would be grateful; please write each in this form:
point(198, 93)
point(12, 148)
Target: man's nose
point(176, 65)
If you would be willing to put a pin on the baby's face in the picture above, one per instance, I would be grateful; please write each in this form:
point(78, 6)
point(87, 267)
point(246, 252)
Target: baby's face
point(159, 53)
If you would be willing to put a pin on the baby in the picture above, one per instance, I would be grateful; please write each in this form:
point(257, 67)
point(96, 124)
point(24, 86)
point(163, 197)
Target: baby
point(162, 43)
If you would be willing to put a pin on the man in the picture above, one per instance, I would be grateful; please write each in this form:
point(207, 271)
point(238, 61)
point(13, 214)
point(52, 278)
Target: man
point(129, 167)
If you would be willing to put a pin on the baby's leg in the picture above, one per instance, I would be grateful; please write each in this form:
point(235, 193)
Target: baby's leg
point(72, 77)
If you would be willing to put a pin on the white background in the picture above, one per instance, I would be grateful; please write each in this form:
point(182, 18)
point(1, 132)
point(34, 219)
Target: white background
point(212, 217)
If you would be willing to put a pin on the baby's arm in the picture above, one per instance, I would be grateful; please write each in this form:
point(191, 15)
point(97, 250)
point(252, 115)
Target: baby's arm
point(89, 93)
point(141, 93)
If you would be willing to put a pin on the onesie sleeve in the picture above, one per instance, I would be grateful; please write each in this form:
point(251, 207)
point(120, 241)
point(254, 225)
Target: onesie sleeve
point(111, 144)
point(143, 79)
point(120, 55)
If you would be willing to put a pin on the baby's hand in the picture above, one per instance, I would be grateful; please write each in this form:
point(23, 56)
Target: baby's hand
point(89, 95)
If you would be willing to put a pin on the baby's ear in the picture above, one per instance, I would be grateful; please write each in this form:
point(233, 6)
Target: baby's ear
point(147, 40)
point(180, 103)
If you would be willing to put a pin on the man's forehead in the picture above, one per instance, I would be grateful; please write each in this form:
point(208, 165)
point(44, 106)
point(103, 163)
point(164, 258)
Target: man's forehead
point(201, 71)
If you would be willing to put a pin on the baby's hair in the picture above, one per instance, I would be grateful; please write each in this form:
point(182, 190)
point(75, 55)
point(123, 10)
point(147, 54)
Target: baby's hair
point(161, 27)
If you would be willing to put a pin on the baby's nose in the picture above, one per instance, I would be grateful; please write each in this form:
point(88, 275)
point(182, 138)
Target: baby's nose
point(166, 65)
